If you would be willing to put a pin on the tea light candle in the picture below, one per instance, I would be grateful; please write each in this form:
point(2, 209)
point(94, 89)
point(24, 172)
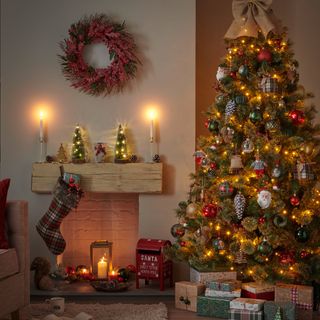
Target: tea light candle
point(113, 275)
point(102, 268)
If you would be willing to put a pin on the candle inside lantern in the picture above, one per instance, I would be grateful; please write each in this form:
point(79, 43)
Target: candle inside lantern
point(102, 268)
point(41, 132)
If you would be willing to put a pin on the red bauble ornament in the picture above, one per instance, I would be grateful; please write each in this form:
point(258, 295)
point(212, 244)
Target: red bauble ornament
point(240, 52)
point(294, 200)
point(233, 74)
point(264, 55)
point(304, 254)
point(261, 220)
point(198, 160)
point(206, 124)
point(213, 166)
point(297, 117)
point(182, 243)
point(210, 210)
point(287, 258)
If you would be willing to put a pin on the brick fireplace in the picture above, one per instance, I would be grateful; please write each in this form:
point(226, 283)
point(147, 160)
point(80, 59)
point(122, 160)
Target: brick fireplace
point(102, 216)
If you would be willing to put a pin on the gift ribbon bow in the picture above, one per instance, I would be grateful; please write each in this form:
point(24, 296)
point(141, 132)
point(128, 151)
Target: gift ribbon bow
point(251, 16)
point(295, 300)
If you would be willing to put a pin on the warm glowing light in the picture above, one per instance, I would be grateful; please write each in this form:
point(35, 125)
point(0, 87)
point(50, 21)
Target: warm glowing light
point(231, 268)
point(209, 253)
point(152, 114)
point(228, 233)
point(218, 227)
point(281, 271)
point(291, 268)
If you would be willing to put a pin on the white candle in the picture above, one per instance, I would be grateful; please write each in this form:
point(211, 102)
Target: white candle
point(152, 115)
point(41, 135)
point(102, 268)
point(151, 130)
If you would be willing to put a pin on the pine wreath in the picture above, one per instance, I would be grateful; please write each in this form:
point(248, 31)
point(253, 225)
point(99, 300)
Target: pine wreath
point(121, 49)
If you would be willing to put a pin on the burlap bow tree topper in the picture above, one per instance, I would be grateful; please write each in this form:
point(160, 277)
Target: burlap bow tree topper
point(250, 16)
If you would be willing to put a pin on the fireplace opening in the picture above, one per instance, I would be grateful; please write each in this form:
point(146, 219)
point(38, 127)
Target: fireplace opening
point(113, 217)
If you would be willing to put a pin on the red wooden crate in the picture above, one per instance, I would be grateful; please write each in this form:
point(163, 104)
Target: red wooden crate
point(151, 263)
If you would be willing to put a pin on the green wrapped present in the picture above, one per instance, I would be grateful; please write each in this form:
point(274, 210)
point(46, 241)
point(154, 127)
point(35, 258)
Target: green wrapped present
point(213, 307)
point(287, 310)
point(224, 285)
point(236, 314)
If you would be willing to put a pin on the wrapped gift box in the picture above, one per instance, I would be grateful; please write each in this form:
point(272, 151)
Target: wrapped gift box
point(218, 293)
point(186, 295)
point(206, 277)
point(224, 285)
point(287, 310)
point(300, 296)
point(258, 290)
point(236, 314)
point(213, 307)
point(247, 304)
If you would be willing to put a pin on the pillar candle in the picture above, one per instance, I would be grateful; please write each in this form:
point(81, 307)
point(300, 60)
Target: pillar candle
point(102, 269)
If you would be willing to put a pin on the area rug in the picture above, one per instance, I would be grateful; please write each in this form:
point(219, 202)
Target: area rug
point(119, 311)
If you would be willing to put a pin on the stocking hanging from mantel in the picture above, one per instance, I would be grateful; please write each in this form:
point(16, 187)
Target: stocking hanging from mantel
point(66, 196)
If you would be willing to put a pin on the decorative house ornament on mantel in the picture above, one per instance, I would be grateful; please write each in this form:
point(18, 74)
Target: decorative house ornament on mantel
point(121, 49)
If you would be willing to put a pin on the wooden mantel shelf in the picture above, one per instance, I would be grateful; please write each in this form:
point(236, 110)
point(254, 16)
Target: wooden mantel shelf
point(101, 177)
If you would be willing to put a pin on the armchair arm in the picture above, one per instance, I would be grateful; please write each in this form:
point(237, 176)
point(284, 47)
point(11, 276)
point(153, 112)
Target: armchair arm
point(18, 236)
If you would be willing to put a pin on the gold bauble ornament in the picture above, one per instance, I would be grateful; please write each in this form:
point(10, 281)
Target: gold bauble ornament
point(308, 148)
point(191, 210)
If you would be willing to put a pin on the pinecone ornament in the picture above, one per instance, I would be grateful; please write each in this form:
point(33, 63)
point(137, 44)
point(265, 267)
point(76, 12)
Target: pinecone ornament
point(230, 109)
point(239, 204)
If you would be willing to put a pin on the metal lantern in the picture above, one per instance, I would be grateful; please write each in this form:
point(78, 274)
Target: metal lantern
point(101, 258)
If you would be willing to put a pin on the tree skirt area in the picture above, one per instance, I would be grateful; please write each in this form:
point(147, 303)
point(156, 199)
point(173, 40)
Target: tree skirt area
point(98, 311)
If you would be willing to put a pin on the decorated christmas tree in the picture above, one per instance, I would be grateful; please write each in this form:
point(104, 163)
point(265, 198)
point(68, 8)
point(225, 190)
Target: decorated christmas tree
point(254, 199)
point(78, 148)
point(121, 154)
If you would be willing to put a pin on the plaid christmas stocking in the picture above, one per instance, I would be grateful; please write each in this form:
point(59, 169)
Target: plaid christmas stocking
point(64, 199)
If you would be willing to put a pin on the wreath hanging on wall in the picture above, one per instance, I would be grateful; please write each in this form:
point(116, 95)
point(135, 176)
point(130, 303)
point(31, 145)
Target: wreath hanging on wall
point(120, 48)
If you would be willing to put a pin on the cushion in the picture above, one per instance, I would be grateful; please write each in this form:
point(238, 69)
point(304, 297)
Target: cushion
point(8, 263)
point(4, 186)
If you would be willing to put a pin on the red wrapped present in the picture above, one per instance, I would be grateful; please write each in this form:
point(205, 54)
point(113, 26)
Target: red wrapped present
point(258, 290)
